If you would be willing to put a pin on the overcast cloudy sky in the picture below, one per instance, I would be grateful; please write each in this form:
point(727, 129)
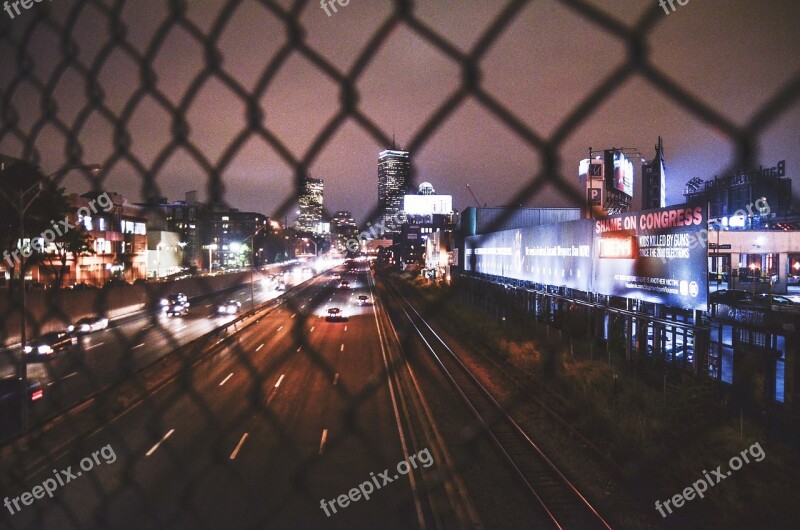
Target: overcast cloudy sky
point(733, 55)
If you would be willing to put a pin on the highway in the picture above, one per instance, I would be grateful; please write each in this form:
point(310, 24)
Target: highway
point(130, 343)
point(295, 411)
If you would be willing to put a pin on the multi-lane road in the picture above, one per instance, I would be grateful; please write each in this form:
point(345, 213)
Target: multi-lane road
point(275, 430)
point(293, 421)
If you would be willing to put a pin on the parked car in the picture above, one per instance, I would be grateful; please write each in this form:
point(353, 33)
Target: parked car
point(83, 287)
point(49, 345)
point(335, 314)
point(730, 297)
point(231, 307)
point(88, 325)
point(776, 303)
point(793, 279)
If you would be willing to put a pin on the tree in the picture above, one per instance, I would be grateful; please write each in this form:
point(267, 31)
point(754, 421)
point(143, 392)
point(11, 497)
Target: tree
point(23, 186)
point(75, 242)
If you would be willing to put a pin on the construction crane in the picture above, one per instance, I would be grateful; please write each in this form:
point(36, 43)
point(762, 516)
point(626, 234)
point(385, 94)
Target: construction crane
point(473, 196)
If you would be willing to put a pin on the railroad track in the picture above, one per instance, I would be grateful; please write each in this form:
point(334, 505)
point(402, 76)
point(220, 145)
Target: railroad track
point(560, 500)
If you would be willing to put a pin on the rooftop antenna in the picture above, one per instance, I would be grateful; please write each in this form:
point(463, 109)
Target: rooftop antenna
point(473, 196)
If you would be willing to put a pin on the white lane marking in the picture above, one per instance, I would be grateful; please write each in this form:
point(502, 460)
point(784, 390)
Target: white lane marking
point(279, 381)
point(183, 327)
point(226, 379)
point(311, 330)
point(342, 348)
point(71, 374)
point(93, 346)
point(298, 348)
point(138, 345)
point(280, 328)
point(336, 378)
point(239, 446)
point(294, 315)
point(345, 328)
point(303, 306)
point(262, 345)
point(161, 441)
point(324, 439)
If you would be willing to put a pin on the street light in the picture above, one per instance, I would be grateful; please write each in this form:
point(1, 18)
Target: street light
point(212, 247)
point(21, 203)
point(307, 240)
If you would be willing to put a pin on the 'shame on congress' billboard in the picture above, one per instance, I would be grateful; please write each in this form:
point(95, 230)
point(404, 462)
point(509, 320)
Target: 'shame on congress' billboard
point(654, 255)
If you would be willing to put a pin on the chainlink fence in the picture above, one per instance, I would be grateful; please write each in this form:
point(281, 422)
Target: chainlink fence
point(24, 126)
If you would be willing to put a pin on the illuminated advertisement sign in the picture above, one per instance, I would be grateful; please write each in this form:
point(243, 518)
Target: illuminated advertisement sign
point(656, 255)
point(668, 256)
point(557, 254)
point(618, 172)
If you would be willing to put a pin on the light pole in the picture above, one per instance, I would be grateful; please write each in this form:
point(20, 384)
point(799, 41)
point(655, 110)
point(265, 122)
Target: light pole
point(253, 263)
point(158, 260)
point(307, 240)
point(24, 200)
point(212, 247)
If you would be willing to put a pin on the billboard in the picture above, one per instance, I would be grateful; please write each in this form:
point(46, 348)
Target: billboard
point(618, 172)
point(555, 254)
point(655, 255)
point(427, 204)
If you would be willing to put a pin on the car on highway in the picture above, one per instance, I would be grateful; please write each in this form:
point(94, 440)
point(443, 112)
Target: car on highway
point(344, 285)
point(281, 286)
point(11, 394)
point(335, 314)
point(230, 307)
point(175, 305)
point(363, 299)
point(49, 345)
point(730, 297)
point(88, 325)
point(177, 298)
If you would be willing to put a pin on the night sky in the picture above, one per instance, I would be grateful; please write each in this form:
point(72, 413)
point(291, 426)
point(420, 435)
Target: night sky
point(732, 55)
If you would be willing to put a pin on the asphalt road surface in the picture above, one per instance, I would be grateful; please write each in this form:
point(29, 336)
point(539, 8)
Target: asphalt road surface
point(294, 413)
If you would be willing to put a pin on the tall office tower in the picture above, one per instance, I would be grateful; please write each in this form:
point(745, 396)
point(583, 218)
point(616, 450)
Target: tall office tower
point(394, 176)
point(654, 180)
point(311, 198)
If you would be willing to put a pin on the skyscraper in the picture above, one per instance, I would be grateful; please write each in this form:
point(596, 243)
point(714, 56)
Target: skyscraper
point(394, 175)
point(311, 198)
point(654, 184)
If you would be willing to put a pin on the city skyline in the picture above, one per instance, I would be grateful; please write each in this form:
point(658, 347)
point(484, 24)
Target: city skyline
point(726, 73)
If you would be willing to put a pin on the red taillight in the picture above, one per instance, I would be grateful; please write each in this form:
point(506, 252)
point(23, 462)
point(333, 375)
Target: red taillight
point(37, 395)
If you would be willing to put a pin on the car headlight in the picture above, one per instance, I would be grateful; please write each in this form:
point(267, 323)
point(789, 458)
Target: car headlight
point(44, 349)
point(164, 301)
point(70, 328)
point(28, 349)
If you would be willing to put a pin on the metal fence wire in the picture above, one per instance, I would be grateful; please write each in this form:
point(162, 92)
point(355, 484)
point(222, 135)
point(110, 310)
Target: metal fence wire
point(24, 127)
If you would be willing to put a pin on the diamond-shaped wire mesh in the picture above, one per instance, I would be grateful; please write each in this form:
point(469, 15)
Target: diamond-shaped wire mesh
point(24, 127)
